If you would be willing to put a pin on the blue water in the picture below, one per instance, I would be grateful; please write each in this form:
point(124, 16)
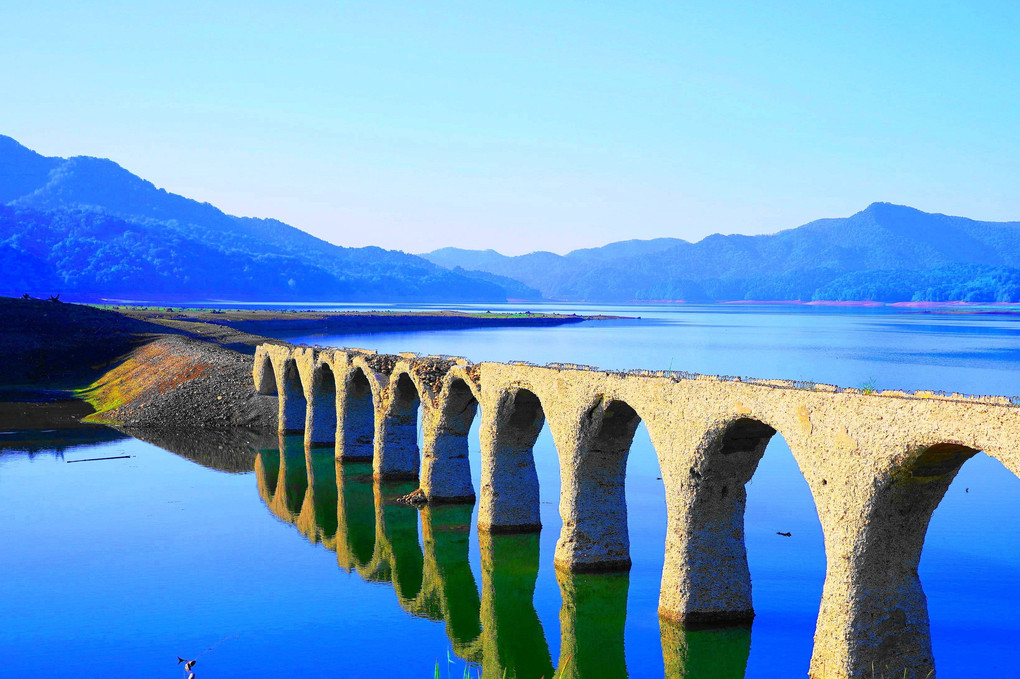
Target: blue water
point(116, 567)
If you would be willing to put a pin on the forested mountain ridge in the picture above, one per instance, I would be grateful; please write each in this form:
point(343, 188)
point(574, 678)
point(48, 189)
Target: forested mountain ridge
point(885, 253)
point(87, 227)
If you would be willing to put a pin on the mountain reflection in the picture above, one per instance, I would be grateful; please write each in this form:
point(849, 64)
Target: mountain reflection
point(497, 626)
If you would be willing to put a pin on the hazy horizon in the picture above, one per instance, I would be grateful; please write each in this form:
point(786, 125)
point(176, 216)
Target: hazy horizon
point(528, 127)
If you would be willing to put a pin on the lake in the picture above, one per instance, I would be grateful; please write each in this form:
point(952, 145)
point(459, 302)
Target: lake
point(222, 549)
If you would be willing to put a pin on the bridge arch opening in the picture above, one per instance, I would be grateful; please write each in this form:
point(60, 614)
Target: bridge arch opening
point(460, 409)
point(358, 412)
point(510, 487)
point(738, 512)
point(323, 407)
point(594, 536)
point(267, 377)
point(446, 466)
point(968, 570)
point(399, 455)
point(294, 403)
point(895, 609)
point(785, 548)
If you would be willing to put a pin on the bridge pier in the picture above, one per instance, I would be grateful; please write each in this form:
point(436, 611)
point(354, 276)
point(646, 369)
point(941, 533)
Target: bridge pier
point(318, 517)
point(593, 500)
point(396, 432)
point(398, 557)
point(321, 418)
point(449, 584)
point(705, 577)
point(293, 404)
point(356, 419)
point(510, 426)
point(355, 510)
point(874, 613)
point(445, 469)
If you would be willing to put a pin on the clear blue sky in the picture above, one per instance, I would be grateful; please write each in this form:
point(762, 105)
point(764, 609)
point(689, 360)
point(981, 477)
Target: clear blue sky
point(530, 125)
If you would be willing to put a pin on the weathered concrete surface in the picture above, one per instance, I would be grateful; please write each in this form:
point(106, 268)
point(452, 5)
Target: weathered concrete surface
point(877, 465)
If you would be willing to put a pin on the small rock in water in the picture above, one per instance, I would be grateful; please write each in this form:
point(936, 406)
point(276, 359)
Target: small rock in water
point(415, 499)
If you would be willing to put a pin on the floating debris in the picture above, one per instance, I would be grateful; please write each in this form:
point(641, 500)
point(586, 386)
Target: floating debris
point(96, 459)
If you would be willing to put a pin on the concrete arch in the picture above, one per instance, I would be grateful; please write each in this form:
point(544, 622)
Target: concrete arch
point(706, 580)
point(370, 366)
point(593, 502)
point(510, 498)
point(282, 478)
point(321, 423)
point(407, 370)
point(887, 608)
point(464, 374)
point(356, 417)
point(265, 374)
point(446, 469)
point(293, 404)
point(396, 442)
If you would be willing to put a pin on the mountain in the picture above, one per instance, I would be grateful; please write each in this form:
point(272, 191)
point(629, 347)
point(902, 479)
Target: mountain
point(885, 253)
point(86, 227)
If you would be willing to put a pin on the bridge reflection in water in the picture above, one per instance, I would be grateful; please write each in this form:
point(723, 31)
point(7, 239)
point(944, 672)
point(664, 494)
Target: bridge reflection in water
point(347, 510)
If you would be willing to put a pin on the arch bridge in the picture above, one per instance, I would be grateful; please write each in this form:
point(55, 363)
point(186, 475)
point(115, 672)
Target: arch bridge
point(877, 465)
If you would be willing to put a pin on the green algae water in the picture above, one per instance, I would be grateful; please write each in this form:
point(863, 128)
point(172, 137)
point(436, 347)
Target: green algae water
point(264, 559)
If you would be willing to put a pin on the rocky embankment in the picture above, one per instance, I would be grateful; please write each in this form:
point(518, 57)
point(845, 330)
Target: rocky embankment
point(179, 382)
point(63, 364)
point(167, 369)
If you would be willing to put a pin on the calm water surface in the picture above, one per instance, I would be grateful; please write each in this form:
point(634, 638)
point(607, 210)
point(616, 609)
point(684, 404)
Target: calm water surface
point(116, 567)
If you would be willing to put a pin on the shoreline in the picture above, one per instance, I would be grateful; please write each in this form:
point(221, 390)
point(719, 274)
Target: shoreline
point(75, 365)
point(263, 322)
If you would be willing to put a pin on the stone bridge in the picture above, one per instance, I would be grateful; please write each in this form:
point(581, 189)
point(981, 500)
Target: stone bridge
point(347, 510)
point(877, 465)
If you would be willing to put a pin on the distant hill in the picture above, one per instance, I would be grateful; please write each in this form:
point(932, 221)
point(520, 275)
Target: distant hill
point(884, 253)
point(86, 227)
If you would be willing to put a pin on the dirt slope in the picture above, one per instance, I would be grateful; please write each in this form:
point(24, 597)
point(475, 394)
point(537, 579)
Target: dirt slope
point(178, 382)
